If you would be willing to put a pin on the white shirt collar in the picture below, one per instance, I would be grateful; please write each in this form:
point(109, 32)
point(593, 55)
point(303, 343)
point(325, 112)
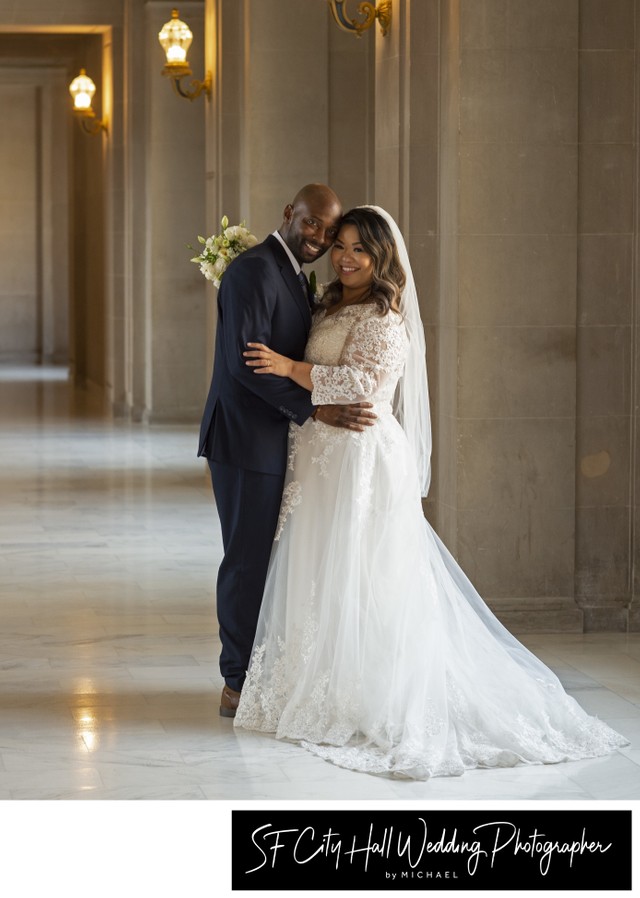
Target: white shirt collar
point(292, 258)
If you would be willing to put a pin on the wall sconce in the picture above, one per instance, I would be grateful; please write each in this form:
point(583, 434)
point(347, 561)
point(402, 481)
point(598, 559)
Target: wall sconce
point(175, 39)
point(82, 90)
point(371, 11)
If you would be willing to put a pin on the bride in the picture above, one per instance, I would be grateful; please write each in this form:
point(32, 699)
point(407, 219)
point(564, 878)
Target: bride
point(373, 649)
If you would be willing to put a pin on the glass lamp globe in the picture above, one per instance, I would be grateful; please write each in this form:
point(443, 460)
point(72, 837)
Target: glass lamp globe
point(82, 90)
point(175, 39)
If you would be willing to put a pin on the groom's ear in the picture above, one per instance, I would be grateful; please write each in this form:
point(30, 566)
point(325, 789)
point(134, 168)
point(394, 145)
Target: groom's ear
point(288, 212)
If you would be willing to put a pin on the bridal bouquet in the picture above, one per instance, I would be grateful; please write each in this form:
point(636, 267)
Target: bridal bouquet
point(222, 248)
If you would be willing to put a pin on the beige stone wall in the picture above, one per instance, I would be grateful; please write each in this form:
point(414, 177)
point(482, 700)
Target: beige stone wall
point(501, 133)
point(292, 103)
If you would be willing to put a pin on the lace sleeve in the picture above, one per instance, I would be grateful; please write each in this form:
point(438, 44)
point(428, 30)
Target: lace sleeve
point(374, 351)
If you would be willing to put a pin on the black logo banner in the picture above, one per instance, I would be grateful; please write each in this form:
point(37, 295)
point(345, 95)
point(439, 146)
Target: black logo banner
point(422, 849)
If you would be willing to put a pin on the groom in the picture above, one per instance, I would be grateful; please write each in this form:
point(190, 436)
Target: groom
point(264, 297)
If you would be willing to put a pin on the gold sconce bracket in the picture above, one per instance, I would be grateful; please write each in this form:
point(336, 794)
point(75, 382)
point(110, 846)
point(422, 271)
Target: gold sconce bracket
point(90, 124)
point(177, 72)
point(371, 11)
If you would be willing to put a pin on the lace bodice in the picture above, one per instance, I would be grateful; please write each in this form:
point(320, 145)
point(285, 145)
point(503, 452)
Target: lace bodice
point(357, 354)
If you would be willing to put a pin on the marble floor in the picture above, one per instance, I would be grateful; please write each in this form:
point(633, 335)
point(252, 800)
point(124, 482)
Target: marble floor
point(108, 646)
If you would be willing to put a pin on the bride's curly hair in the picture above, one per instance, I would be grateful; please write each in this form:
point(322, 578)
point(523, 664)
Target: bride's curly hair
point(388, 274)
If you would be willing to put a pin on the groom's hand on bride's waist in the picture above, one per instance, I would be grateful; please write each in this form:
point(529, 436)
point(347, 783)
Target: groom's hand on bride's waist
point(354, 417)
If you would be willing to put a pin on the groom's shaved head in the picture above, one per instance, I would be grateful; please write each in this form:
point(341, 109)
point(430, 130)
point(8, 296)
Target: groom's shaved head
point(311, 222)
point(317, 193)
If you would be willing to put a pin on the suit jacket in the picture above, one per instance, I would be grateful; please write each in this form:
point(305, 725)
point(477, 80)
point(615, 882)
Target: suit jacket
point(246, 416)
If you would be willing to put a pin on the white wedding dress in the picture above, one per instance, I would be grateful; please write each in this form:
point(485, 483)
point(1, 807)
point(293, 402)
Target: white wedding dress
point(373, 649)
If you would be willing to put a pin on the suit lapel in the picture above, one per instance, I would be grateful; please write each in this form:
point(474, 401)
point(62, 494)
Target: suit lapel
point(290, 279)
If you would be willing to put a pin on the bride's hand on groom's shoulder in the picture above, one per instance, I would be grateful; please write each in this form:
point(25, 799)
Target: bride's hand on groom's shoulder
point(355, 416)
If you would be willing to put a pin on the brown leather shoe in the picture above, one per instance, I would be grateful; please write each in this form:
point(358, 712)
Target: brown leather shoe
point(229, 702)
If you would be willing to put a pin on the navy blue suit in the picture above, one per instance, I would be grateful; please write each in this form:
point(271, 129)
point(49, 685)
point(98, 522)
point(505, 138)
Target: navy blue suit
point(244, 433)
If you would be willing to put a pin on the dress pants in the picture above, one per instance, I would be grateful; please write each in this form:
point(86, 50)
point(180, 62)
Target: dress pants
point(248, 504)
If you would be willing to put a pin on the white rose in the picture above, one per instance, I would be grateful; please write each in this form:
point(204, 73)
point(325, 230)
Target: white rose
point(208, 270)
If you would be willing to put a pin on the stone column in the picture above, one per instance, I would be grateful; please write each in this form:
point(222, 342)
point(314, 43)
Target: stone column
point(634, 611)
point(406, 156)
point(607, 221)
point(508, 203)
point(350, 115)
point(444, 370)
point(89, 238)
point(131, 312)
point(422, 169)
point(175, 297)
point(35, 287)
point(55, 219)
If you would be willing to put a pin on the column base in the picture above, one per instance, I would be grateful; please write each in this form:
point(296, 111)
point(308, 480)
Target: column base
point(539, 615)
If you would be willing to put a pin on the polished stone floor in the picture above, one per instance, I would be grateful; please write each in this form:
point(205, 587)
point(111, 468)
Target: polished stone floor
point(108, 647)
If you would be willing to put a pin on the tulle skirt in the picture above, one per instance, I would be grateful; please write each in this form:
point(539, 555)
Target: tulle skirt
point(373, 649)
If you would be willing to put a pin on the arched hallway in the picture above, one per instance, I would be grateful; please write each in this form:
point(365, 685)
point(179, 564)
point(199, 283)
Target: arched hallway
point(110, 681)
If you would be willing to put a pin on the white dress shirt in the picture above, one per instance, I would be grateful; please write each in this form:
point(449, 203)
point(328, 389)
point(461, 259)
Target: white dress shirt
point(294, 261)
